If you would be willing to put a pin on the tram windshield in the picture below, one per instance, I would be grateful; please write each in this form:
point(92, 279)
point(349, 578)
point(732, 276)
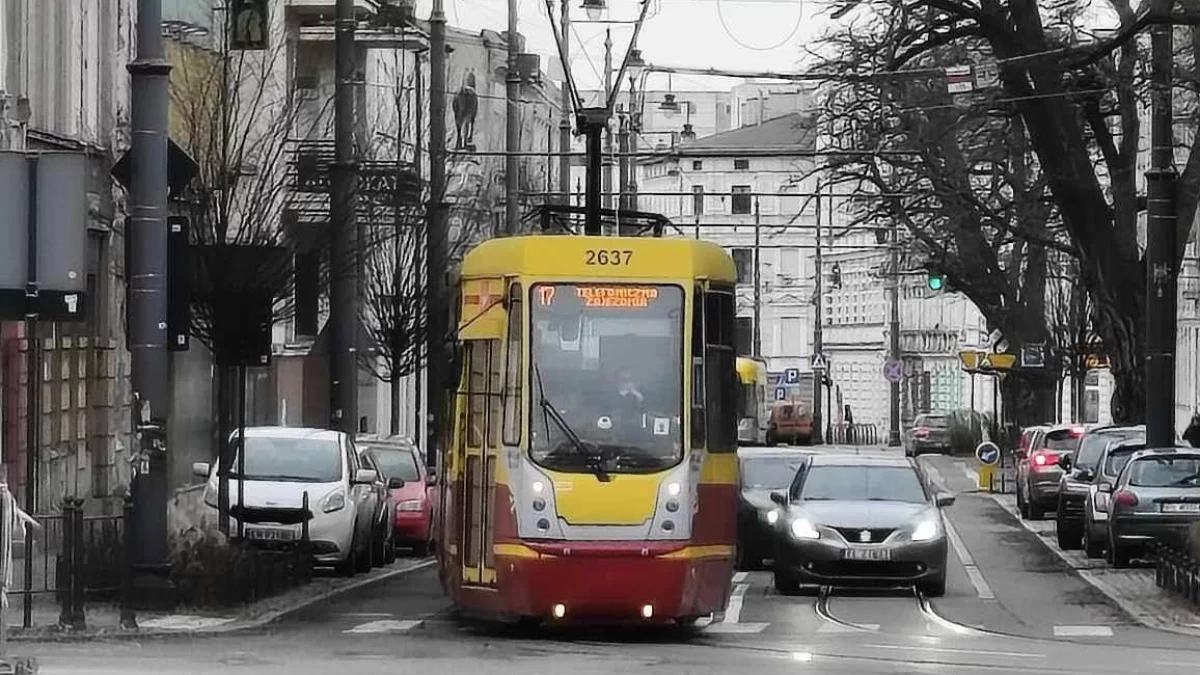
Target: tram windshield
point(607, 378)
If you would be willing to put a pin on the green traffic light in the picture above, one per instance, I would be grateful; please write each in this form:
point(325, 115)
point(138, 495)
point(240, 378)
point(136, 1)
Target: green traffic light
point(936, 282)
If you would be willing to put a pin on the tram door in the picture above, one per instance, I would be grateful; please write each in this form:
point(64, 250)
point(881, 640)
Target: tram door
point(483, 366)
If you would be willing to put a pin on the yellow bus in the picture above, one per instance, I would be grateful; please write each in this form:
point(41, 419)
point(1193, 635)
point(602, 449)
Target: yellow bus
point(591, 472)
point(753, 412)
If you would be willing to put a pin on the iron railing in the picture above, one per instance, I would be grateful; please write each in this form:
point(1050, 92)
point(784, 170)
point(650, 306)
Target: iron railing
point(1177, 572)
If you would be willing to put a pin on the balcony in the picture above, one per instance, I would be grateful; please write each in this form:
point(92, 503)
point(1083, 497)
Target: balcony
point(384, 24)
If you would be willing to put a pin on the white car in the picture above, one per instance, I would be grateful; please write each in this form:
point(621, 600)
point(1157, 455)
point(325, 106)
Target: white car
point(282, 465)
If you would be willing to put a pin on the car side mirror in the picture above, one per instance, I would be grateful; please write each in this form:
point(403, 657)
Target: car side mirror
point(779, 498)
point(1066, 462)
point(431, 480)
point(1106, 488)
point(365, 477)
point(201, 469)
point(944, 499)
point(395, 483)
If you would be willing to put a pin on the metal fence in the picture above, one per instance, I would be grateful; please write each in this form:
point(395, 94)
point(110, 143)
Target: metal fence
point(1177, 572)
point(853, 434)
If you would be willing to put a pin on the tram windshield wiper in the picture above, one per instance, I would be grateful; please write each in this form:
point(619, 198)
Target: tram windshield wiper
point(594, 460)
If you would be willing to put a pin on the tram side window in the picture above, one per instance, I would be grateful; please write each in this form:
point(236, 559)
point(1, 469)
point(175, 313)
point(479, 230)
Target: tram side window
point(475, 355)
point(698, 414)
point(721, 371)
point(513, 380)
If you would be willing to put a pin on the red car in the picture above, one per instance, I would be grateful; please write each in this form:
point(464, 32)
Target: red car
point(411, 486)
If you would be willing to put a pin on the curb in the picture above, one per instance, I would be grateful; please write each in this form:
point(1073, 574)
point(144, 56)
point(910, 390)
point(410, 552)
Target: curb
point(236, 625)
point(1140, 616)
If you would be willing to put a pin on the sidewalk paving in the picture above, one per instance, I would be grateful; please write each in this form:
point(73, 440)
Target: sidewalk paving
point(1133, 590)
point(103, 620)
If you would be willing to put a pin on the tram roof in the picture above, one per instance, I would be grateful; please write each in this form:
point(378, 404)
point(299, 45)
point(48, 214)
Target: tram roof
point(566, 256)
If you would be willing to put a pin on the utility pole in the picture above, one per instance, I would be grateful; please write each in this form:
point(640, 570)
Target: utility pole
point(436, 300)
point(818, 330)
point(512, 162)
point(607, 162)
point(592, 122)
point(147, 229)
point(634, 122)
point(564, 126)
point(894, 336)
point(623, 161)
point(1161, 240)
point(757, 278)
point(343, 220)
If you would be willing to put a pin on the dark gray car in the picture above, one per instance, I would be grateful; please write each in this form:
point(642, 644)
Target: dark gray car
point(1080, 471)
point(1156, 496)
point(929, 433)
point(860, 521)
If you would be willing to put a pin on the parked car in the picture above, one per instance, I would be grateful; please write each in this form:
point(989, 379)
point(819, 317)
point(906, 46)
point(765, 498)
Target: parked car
point(929, 433)
point(382, 534)
point(282, 466)
point(762, 470)
point(789, 422)
point(860, 521)
point(409, 482)
point(1156, 496)
point(1080, 471)
point(1038, 470)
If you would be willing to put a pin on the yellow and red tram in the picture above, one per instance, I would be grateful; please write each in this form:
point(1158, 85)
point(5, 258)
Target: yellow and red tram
point(591, 471)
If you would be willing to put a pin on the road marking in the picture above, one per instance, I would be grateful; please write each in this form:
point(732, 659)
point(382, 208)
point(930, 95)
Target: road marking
point(384, 626)
point(982, 589)
point(733, 611)
point(736, 628)
point(842, 628)
point(1083, 631)
point(364, 615)
point(950, 650)
point(740, 577)
point(185, 622)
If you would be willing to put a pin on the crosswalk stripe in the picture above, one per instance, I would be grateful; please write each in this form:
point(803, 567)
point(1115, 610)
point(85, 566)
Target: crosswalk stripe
point(1083, 631)
point(722, 627)
point(384, 626)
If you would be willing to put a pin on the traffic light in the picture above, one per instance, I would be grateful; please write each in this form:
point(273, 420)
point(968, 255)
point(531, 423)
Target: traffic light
point(835, 274)
point(936, 282)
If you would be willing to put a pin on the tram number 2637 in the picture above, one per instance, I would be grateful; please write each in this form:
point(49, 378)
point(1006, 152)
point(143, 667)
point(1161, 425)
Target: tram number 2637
point(608, 256)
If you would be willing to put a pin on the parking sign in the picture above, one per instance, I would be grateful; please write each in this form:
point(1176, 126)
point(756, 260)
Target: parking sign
point(792, 376)
point(780, 393)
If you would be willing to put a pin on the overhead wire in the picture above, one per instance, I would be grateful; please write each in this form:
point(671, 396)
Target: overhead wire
point(728, 31)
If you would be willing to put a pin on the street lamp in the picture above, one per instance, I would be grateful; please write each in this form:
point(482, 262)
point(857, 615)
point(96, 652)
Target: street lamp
point(636, 64)
point(594, 8)
point(669, 106)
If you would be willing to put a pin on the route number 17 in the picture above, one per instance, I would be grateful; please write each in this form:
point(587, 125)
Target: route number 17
point(608, 257)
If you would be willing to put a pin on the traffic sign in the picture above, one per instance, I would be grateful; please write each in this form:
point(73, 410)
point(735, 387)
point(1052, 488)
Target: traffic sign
point(780, 393)
point(988, 453)
point(893, 370)
point(818, 361)
point(974, 360)
point(791, 376)
point(1033, 356)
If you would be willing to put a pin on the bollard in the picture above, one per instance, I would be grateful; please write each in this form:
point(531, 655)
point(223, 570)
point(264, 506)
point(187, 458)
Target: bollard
point(79, 577)
point(66, 565)
point(128, 615)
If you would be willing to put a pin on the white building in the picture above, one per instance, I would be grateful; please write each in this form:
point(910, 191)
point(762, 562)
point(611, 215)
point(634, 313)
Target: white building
point(716, 188)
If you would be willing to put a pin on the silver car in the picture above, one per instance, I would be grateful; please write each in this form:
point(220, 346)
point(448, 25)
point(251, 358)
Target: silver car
point(1157, 496)
point(860, 521)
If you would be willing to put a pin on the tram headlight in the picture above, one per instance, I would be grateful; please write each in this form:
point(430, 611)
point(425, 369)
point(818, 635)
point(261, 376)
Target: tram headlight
point(538, 486)
point(673, 489)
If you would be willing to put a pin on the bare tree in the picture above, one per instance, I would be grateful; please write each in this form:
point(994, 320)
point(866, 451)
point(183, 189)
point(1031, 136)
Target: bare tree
point(1069, 314)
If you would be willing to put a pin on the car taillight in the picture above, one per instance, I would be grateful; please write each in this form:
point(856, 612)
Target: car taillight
point(1041, 459)
point(1076, 432)
point(921, 431)
point(1125, 498)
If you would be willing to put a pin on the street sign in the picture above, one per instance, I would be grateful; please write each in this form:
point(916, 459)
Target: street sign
point(1033, 356)
point(893, 370)
point(974, 360)
point(791, 376)
point(987, 75)
point(181, 169)
point(780, 393)
point(818, 361)
point(958, 80)
point(988, 453)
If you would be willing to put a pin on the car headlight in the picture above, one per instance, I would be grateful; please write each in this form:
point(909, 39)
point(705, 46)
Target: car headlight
point(925, 531)
point(802, 529)
point(334, 502)
point(772, 517)
point(409, 505)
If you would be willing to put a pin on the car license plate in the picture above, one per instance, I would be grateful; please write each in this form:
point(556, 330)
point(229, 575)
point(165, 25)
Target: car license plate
point(1181, 508)
point(270, 534)
point(864, 553)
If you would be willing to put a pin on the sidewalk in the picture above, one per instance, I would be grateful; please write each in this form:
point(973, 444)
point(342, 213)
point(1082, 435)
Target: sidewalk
point(1133, 590)
point(103, 621)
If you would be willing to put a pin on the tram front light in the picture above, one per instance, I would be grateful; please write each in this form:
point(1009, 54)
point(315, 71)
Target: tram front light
point(560, 610)
point(647, 611)
point(673, 489)
point(538, 486)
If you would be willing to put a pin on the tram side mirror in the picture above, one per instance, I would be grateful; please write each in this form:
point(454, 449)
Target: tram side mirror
point(779, 498)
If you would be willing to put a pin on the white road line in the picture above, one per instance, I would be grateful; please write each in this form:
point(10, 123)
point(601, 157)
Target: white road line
point(949, 650)
point(982, 589)
point(733, 611)
point(740, 577)
point(736, 628)
point(364, 615)
point(384, 626)
point(840, 628)
point(1083, 631)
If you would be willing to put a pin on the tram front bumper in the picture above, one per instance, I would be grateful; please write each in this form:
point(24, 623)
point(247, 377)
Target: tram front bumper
point(617, 584)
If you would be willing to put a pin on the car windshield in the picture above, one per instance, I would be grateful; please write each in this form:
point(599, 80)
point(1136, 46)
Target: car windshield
point(862, 483)
point(770, 473)
point(291, 460)
point(397, 464)
point(607, 377)
point(1118, 458)
point(1062, 440)
point(1163, 472)
point(1091, 446)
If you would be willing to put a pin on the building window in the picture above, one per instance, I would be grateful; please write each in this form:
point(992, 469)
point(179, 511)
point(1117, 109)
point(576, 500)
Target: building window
point(697, 165)
point(743, 335)
point(698, 200)
point(741, 164)
point(740, 202)
point(743, 258)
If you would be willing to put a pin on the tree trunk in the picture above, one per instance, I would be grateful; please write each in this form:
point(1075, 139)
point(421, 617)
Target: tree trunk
point(1028, 398)
point(1119, 322)
point(395, 384)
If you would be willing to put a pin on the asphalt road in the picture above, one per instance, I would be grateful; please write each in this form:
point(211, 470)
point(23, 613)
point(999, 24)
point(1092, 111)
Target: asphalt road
point(1011, 607)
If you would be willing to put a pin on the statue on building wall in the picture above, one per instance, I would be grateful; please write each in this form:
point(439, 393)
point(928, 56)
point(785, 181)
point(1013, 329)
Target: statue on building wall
point(466, 106)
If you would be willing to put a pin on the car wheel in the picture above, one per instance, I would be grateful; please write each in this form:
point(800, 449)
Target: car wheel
point(349, 566)
point(785, 584)
point(1022, 506)
point(934, 588)
point(1036, 512)
point(1092, 547)
point(363, 557)
point(1069, 535)
point(420, 549)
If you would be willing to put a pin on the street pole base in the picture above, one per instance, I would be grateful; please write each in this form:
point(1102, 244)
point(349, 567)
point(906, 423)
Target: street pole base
point(152, 590)
point(894, 441)
point(18, 665)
